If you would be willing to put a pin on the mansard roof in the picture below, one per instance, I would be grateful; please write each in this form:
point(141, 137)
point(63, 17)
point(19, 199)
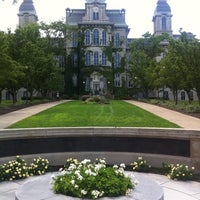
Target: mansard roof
point(116, 17)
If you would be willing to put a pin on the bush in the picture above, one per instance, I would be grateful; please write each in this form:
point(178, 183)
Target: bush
point(140, 165)
point(179, 172)
point(19, 169)
point(97, 99)
point(39, 166)
point(85, 97)
point(92, 180)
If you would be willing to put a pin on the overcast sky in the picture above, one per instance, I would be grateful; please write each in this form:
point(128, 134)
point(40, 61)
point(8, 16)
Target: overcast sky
point(139, 13)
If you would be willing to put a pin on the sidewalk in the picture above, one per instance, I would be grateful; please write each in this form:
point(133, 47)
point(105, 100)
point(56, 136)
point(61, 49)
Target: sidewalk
point(184, 121)
point(13, 117)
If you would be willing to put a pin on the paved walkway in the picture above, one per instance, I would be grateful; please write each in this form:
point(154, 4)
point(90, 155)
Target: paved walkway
point(173, 190)
point(184, 121)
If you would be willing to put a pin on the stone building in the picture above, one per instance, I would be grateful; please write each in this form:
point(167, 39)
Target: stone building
point(102, 30)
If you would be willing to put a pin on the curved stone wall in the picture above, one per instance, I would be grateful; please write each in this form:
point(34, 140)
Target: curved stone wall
point(117, 145)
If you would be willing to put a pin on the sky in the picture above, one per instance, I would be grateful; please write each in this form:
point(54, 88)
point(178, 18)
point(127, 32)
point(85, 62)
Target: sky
point(139, 13)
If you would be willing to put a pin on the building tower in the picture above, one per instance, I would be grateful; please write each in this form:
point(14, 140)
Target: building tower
point(27, 13)
point(162, 18)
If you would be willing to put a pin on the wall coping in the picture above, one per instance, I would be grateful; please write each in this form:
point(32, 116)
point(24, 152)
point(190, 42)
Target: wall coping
point(31, 133)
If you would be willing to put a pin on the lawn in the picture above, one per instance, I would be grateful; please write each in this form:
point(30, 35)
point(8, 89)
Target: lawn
point(79, 114)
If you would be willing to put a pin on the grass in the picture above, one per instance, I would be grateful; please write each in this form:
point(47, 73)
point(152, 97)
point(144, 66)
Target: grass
point(78, 114)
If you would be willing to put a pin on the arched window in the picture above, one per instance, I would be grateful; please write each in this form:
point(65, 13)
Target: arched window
point(87, 59)
point(104, 59)
point(164, 24)
point(87, 37)
point(96, 37)
point(117, 40)
point(117, 60)
point(96, 58)
point(104, 39)
point(183, 96)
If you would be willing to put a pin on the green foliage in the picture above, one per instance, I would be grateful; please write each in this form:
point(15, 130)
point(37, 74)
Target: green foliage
point(184, 106)
point(178, 171)
point(38, 166)
point(92, 180)
point(97, 99)
point(19, 169)
point(140, 165)
point(142, 61)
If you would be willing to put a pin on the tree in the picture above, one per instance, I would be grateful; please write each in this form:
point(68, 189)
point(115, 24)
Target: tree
point(142, 60)
point(11, 71)
point(36, 55)
point(56, 35)
point(171, 73)
point(181, 65)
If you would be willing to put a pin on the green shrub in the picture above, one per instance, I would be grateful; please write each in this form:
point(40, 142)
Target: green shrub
point(39, 166)
point(19, 169)
point(92, 180)
point(167, 168)
point(180, 172)
point(140, 165)
point(15, 169)
point(85, 97)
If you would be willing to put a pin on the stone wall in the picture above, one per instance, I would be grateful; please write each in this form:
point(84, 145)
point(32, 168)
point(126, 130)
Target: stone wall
point(117, 145)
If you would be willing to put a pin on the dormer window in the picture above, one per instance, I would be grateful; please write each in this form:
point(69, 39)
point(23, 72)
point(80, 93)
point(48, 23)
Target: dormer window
point(95, 13)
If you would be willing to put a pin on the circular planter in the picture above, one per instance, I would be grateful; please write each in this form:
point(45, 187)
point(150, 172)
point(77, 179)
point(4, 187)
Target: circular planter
point(40, 188)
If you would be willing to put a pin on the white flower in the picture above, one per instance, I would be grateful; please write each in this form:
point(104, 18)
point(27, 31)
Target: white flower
point(95, 193)
point(72, 167)
point(122, 165)
point(76, 186)
point(86, 161)
point(84, 192)
point(60, 169)
point(72, 182)
point(115, 166)
point(62, 173)
point(128, 192)
point(80, 177)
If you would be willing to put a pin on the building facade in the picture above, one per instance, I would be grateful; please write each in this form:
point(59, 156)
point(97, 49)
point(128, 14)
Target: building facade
point(103, 46)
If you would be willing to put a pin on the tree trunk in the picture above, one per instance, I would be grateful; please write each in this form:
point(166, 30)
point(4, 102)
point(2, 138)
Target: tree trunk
point(188, 94)
point(175, 94)
point(1, 95)
point(198, 95)
point(14, 96)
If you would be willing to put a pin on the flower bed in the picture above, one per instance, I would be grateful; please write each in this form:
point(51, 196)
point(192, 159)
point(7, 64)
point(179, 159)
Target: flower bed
point(92, 180)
